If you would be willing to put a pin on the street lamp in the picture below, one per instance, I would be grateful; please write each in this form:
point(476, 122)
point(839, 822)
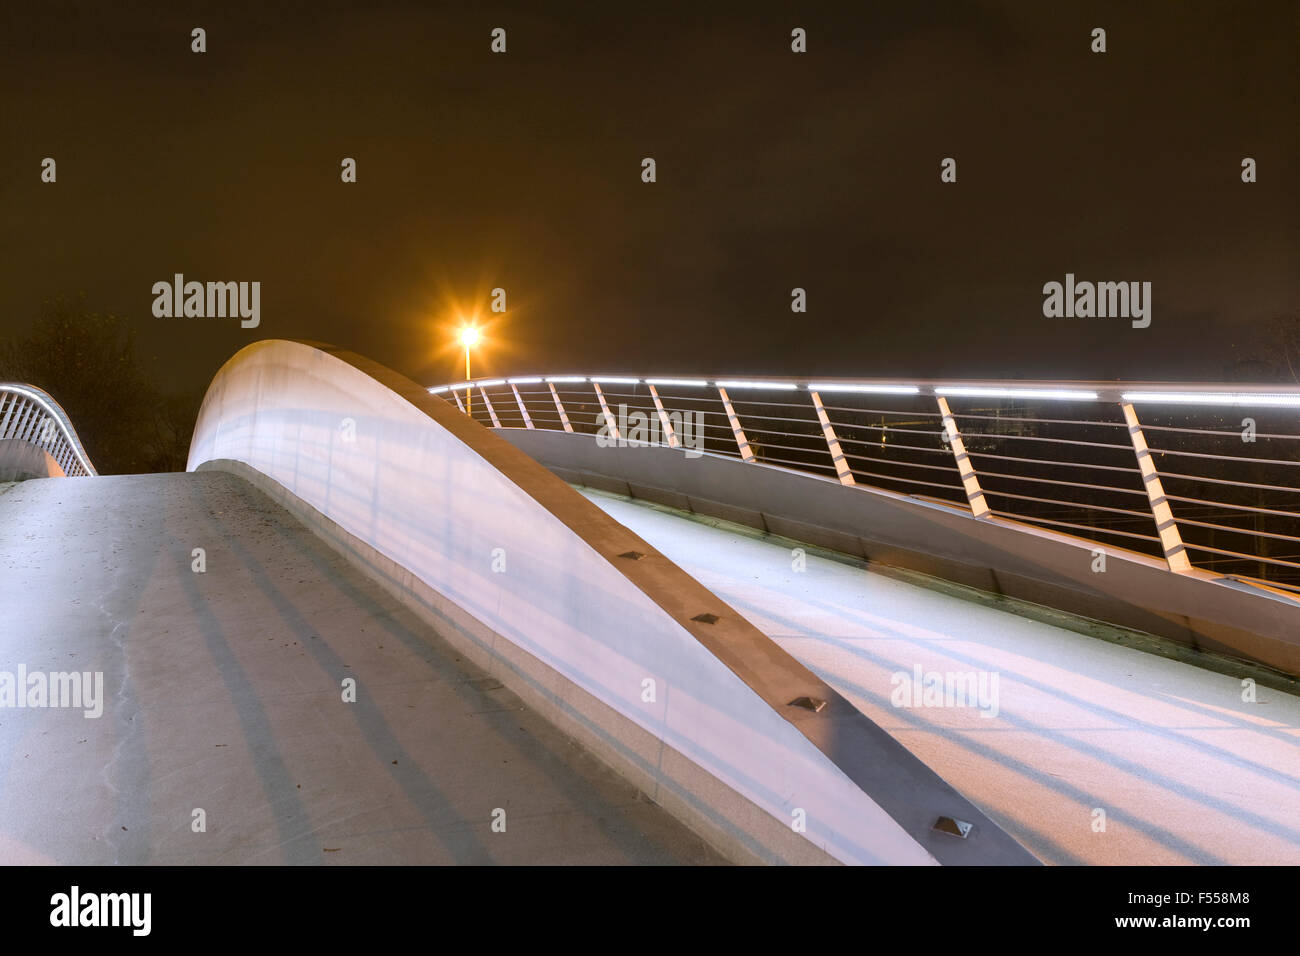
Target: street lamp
point(468, 336)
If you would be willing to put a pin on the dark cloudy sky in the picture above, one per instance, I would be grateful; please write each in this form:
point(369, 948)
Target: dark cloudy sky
point(775, 170)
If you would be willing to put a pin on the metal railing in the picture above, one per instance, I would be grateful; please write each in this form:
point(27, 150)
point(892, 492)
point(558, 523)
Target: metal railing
point(29, 414)
point(1204, 476)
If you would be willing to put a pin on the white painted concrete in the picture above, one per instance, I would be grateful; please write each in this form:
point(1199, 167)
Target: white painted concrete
point(390, 475)
point(222, 691)
point(1185, 771)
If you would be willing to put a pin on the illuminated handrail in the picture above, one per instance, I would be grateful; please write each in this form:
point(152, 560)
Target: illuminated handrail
point(30, 414)
point(1061, 455)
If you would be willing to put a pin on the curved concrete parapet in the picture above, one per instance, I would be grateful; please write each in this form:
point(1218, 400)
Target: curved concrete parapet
point(20, 460)
point(1239, 619)
point(585, 620)
point(30, 416)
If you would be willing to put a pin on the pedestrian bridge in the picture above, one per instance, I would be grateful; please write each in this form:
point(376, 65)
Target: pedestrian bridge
point(36, 438)
point(812, 629)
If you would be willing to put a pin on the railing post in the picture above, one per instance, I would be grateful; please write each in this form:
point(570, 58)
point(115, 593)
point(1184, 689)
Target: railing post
point(34, 432)
point(496, 422)
point(19, 418)
point(459, 404)
point(13, 403)
point(1170, 539)
point(974, 494)
point(610, 422)
point(564, 417)
point(528, 422)
point(742, 443)
point(9, 410)
point(27, 420)
point(841, 464)
point(664, 419)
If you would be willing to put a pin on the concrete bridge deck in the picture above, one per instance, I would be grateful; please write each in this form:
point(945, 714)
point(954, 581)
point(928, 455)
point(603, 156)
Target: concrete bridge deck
point(1185, 771)
point(308, 695)
point(224, 693)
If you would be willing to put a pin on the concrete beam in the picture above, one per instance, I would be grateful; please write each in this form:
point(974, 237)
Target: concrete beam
point(1198, 608)
point(431, 501)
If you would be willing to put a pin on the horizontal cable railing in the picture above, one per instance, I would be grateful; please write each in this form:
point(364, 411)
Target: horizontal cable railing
point(1204, 476)
point(29, 414)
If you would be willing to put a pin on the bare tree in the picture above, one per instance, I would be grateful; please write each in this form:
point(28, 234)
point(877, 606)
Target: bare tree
point(1287, 330)
point(87, 361)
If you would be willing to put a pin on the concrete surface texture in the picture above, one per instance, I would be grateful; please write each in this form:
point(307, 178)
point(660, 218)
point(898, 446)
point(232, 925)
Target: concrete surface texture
point(1183, 769)
point(222, 693)
point(1198, 608)
point(20, 460)
point(518, 550)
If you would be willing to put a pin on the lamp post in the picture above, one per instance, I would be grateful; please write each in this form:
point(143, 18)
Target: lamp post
point(468, 336)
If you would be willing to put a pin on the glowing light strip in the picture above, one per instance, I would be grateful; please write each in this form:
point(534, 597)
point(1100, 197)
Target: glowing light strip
point(882, 389)
point(973, 392)
point(1280, 400)
point(1215, 398)
point(783, 386)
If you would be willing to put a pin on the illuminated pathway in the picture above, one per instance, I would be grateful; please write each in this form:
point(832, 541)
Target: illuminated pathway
point(1184, 770)
point(222, 694)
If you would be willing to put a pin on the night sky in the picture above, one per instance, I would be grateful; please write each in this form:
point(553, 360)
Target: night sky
point(775, 170)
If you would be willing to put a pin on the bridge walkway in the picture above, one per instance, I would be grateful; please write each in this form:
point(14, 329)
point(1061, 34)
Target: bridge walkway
point(1184, 770)
point(223, 693)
